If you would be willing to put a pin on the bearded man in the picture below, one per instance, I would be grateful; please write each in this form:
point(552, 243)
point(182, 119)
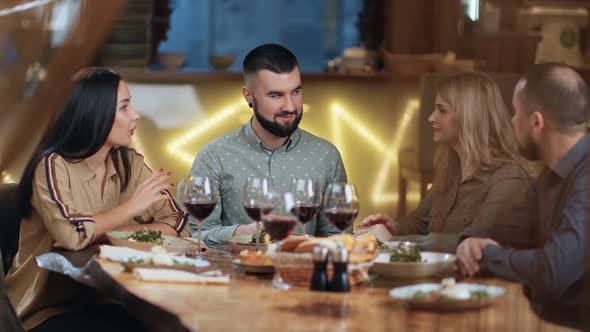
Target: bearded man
point(270, 145)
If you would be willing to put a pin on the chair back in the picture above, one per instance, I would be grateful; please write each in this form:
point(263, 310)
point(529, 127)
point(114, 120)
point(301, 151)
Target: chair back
point(8, 319)
point(9, 223)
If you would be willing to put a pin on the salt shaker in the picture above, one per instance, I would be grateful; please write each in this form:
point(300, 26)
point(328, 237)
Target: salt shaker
point(319, 279)
point(339, 281)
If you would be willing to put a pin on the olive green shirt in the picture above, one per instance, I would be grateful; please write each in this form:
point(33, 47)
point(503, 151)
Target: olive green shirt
point(473, 206)
point(230, 159)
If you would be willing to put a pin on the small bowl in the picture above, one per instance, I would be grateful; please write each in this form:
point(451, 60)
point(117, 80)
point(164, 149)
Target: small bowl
point(171, 60)
point(221, 62)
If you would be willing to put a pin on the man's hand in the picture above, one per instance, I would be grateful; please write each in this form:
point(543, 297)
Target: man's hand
point(469, 254)
point(378, 219)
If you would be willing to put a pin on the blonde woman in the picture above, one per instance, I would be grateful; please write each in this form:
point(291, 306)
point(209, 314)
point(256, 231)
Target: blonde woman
point(479, 173)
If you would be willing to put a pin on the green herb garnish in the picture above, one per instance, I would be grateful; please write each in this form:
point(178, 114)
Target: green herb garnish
point(177, 263)
point(260, 237)
point(381, 245)
point(402, 253)
point(134, 260)
point(479, 295)
point(146, 235)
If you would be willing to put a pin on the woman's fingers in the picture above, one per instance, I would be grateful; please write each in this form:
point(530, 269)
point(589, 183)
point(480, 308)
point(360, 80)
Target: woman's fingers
point(374, 219)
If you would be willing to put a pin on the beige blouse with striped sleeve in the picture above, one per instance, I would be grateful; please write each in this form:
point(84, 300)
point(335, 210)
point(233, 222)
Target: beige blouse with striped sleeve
point(65, 197)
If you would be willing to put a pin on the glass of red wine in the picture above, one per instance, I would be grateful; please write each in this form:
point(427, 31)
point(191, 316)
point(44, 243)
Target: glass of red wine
point(279, 224)
point(257, 202)
point(307, 200)
point(199, 200)
point(341, 205)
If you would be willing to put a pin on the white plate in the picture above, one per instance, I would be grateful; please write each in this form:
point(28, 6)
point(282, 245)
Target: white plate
point(432, 263)
point(259, 269)
point(391, 244)
point(406, 293)
point(171, 244)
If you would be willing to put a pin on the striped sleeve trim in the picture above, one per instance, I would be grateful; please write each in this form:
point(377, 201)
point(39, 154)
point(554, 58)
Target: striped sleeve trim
point(182, 216)
point(74, 219)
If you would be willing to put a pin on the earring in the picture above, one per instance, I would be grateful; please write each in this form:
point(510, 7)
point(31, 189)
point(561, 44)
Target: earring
point(250, 105)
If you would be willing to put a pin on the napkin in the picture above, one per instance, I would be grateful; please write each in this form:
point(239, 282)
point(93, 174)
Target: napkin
point(122, 254)
point(168, 275)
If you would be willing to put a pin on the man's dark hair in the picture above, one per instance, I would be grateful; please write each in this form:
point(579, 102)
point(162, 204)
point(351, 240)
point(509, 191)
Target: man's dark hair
point(273, 57)
point(559, 92)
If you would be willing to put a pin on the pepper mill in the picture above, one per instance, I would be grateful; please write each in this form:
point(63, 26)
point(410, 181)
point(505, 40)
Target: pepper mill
point(319, 279)
point(339, 281)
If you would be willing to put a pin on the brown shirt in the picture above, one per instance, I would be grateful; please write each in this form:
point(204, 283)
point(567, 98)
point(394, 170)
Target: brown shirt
point(65, 199)
point(472, 207)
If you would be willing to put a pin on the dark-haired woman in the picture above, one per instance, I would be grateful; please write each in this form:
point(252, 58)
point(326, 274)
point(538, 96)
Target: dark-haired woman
point(82, 182)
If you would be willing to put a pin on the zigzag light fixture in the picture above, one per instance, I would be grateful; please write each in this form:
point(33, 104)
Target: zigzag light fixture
point(340, 116)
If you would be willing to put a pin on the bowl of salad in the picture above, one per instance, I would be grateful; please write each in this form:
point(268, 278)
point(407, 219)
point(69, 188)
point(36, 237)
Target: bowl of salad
point(405, 260)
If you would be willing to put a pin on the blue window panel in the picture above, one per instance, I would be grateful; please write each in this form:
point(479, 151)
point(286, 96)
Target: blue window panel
point(315, 30)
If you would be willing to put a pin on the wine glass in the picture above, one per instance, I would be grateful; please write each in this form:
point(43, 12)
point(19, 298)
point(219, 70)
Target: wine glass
point(199, 200)
point(341, 205)
point(279, 224)
point(256, 201)
point(307, 200)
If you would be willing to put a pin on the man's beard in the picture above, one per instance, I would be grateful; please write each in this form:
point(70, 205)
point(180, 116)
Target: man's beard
point(529, 149)
point(275, 127)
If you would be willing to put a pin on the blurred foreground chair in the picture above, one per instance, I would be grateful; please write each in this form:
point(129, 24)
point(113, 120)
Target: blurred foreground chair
point(415, 163)
point(9, 223)
point(9, 321)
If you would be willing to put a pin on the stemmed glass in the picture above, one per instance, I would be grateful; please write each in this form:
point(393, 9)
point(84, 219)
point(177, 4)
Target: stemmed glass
point(256, 201)
point(307, 200)
point(279, 224)
point(199, 199)
point(341, 205)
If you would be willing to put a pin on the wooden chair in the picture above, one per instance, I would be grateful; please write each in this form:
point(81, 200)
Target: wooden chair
point(9, 223)
point(9, 321)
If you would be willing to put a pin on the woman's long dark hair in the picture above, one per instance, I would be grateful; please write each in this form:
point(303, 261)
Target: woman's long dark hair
point(80, 130)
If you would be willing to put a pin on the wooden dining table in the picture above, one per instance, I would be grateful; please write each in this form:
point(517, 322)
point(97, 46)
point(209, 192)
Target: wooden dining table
point(248, 303)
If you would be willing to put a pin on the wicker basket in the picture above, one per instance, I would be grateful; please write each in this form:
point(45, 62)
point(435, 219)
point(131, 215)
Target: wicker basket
point(297, 269)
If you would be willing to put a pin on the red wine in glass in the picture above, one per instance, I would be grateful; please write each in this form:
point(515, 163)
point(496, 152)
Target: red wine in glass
point(257, 212)
point(341, 218)
point(279, 227)
point(200, 209)
point(305, 212)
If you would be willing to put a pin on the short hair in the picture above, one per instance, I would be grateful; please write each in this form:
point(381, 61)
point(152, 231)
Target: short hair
point(559, 92)
point(273, 57)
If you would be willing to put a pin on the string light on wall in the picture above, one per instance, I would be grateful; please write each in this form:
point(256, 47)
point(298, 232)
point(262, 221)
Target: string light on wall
point(389, 152)
point(176, 146)
point(7, 177)
point(379, 197)
point(340, 117)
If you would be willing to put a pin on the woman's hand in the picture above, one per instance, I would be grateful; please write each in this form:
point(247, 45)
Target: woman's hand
point(376, 219)
point(148, 192)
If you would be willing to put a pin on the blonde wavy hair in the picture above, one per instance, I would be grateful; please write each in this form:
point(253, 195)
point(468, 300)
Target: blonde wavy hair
point(486, 136)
